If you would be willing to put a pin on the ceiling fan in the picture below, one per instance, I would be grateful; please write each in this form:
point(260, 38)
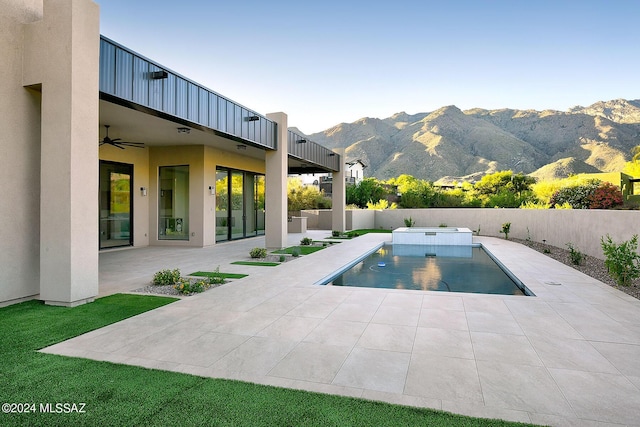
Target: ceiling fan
point(116, 142)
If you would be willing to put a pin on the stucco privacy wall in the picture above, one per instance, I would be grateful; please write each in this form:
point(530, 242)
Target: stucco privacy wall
point(583, 228)
point(49, 162)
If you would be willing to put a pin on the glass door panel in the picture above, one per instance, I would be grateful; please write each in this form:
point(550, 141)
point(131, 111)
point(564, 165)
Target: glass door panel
point(173, 209)
point(259, 203)
point(237, 205)
point(222, 205)
point(116, 204)
point(250, 202)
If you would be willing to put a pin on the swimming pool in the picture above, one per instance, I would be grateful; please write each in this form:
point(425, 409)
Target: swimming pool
point(430, 268)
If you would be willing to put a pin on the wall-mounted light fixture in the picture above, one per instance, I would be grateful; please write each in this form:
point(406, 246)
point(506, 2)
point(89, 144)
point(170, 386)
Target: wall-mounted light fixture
point(186, 131)
point(212, 190)
point(332, 154)
point(143, 191)
point(253, 118)
point(157, 75)
point(241, 147)
point(301, 141)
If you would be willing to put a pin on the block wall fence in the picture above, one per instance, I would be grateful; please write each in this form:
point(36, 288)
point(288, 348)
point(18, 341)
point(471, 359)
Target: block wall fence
point(583, 228)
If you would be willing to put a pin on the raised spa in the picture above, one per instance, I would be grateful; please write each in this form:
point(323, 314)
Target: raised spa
point(440, 236)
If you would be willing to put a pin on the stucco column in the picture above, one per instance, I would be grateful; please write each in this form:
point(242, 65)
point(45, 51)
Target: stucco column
point(338, 196)
point(62, 59)
point(276, 187)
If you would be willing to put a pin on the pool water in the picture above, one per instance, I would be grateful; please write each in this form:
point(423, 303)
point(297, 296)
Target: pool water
point(430, 268)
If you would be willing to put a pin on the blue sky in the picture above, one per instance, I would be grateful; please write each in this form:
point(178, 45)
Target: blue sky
point(327, 62)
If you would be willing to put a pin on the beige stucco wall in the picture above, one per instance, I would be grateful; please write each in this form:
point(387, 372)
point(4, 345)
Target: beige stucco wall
point(22, 10)
point(48, 117)
point(19, 168)
point(276, 187)
point(583, 228)
point(202, 162)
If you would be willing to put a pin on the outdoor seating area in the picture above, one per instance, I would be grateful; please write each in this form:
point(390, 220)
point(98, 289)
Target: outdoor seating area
point(567, 356)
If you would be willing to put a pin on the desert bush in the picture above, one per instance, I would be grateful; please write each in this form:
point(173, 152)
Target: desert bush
point(506, 228)
point(409, 222)
point(622, 260)
point(575, 255)
point(258, 253)
point(335, 233)
point(606, 196)
point(295, 252)
point(578, 196)
point(306, 241)
point(166, 277)
point(186, 286)
point(216, 278)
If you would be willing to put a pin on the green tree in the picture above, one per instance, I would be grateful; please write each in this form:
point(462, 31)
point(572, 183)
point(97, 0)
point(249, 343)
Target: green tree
point(367, 190)
point(300, 196)
point(504, 189)
point(415, 192)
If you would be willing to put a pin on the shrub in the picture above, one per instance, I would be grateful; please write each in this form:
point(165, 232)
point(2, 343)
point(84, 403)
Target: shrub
point(409, 222)
point(578, 196)
point(306, 241)
point(575, 255)
point(335, 233)
point(186, 286)
point(216, 278)
point(258, 253)
point(443, 225)
point(352, 234)
point(295, 252)
point(622, 260)
point(381, 204)
point(506, 227)
point(606, 196)
point(283, 258)
point(166, 277)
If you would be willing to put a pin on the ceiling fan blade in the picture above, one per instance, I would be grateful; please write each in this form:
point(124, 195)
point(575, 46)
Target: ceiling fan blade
point(131, 144)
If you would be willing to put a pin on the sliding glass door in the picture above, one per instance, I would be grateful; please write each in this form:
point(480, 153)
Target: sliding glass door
point(239, 204)
point(116, 204)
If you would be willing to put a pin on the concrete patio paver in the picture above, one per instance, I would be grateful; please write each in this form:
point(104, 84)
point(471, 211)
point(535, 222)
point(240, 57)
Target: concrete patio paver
point(567, 356)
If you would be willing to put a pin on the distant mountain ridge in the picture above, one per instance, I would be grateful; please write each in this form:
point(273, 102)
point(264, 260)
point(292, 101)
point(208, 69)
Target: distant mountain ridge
point(453, 144)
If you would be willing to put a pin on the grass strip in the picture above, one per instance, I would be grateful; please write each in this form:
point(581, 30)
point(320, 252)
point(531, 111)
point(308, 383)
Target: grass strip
point(369, 230)
point(303, 250)
point(122, 395)
point(214, 274)
point(360, 232)
point(257, 263)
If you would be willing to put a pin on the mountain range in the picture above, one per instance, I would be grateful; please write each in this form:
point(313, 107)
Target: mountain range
point(451, 144)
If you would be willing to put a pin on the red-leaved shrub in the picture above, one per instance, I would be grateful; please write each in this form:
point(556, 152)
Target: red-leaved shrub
point(606, 196)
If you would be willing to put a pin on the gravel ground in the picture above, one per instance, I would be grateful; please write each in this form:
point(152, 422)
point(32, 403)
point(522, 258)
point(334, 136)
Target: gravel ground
point(167, 290)
point(590, 266)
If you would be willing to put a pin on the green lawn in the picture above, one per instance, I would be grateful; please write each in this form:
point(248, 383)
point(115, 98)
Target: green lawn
point(214, 274)
point(121, 395)
point(303, 250)
point(257, 263)
point(359, 232)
